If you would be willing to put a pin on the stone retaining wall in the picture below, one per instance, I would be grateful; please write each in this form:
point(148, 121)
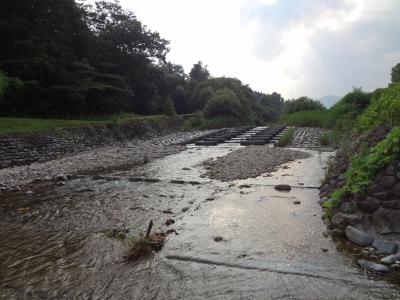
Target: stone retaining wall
point(379, 210)
point(23, 149)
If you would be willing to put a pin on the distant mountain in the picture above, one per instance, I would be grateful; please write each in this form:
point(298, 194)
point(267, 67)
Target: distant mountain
point(329, 100)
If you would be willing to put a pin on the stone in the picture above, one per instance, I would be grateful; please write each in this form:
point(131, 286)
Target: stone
point(29, 193)
point(339, 220)
point(352, 219)
point(396, 190)
point(371, 266)
point(245, 186)
point(388, 260)
point(383, 196)
point(368, 205)
point(283, 187)
point(386, 220)
point(398, 175)
point(185, 209)
point(375, 188)
point(347, 207)
point(385, 246)
point(60, 177)
point(169, 222)
point(296, 202)
point(395, 266)
point(393, 204)
point(388, 182)
point(391, 170)
point(358, 237)
point(338, 232)
point(218, 238)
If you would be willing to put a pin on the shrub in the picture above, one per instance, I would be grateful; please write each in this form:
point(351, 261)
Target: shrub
point(325, 139)
point(286, 138)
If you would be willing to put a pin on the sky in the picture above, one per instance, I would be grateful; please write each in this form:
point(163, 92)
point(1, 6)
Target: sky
point(294, 47)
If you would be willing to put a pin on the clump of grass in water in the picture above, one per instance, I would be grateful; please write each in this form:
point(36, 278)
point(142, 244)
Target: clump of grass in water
point(143, 246)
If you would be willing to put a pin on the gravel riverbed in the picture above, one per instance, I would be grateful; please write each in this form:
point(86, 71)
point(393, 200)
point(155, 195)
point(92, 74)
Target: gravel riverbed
point(134, 152)
point(250, 162)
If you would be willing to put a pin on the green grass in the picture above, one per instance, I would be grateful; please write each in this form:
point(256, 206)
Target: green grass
point(313, 118)
point(29, 125)
point(286, 138)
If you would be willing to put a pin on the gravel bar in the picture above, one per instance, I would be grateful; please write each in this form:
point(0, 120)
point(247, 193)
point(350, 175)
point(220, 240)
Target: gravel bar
point(134, 152)
point(250, 162)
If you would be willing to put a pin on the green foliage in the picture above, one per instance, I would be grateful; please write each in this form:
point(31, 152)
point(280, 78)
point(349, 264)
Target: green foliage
point(384, 109)
point(302, 104)
point(285, 139)
point(223, 103)
point(314, 118)
point(365, 166)
point(396, 73)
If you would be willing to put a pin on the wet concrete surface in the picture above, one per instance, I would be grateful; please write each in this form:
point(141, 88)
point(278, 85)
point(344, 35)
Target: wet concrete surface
point(53, 246)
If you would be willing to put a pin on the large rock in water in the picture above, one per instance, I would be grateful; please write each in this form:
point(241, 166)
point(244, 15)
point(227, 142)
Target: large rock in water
point(358, 237)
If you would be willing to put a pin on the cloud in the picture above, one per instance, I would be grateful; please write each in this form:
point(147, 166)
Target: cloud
point(302, 47)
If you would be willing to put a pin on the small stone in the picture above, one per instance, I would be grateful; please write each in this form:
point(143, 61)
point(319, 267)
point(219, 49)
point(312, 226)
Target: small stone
point(338, 232)
point(388, 260)
point(283, 187)
point(339, 220)
point(358, 237)
point(296, 202)
point(29, 193)
point(60, 177)
point(218, 238)
point(324, 249)
point(186, 169)
point(395, 266)
point(371, 266)
point(245, 186)
point(386, 247)
point(210, 199)
point(169, 222)
point(185, 209)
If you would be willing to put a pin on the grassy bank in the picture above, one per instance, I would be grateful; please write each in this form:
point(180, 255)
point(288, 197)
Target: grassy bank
point(29, 125)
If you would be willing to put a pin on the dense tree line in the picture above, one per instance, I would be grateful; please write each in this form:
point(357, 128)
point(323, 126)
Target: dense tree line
point(67, 59)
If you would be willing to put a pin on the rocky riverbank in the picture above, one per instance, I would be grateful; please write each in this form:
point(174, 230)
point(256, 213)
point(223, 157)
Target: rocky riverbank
point(121, 156)
point(250, 162)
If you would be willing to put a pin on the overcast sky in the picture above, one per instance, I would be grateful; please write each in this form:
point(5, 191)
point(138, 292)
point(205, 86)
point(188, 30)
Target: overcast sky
point(295, 47)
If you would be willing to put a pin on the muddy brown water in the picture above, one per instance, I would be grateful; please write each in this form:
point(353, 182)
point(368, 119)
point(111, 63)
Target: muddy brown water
point(53, 246)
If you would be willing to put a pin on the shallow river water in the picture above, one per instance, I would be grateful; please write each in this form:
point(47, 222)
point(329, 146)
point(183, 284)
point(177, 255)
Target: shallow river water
point(52, 243)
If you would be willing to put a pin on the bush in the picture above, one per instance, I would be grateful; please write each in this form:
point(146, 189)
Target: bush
point(302, 104)
point(384, 109)
point(325, 139)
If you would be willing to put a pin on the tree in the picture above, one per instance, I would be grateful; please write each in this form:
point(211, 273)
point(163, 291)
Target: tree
point(224, 103)
point(396, 73)
point(302, 104)
point(199, 73)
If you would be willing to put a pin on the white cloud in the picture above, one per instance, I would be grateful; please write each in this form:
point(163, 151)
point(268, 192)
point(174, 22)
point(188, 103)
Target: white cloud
point(302, 47)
